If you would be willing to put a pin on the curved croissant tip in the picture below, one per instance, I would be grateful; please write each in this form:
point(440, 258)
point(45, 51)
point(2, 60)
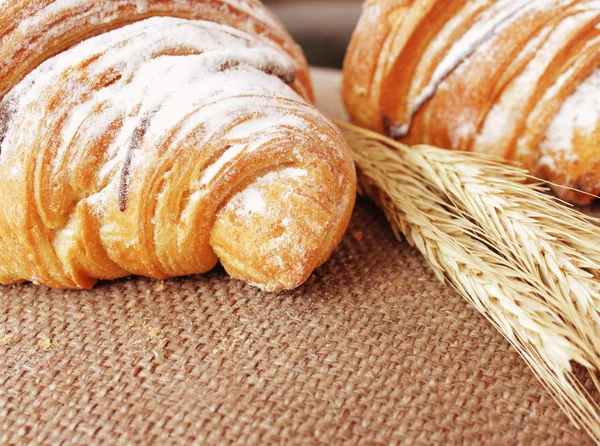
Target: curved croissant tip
point(279, 229)
point(278, 283)
point(261, 273)
point(392, 129)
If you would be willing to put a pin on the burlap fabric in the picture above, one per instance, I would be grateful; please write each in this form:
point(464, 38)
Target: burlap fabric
point(372, 350)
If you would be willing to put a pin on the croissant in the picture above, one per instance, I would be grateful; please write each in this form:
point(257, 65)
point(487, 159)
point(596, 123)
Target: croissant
point(519, 79)
point(159, 137)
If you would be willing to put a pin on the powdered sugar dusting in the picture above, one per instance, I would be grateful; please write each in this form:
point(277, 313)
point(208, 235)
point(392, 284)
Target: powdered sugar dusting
point(441, 40)
point(287, 173)
point(480, 32)
point(506, 114)
point(35, 28)
point(250, 201)
point(102, 12)
point(226, 77)
point(141, 5)
point(465, 128)
point(294, 173)
point(265, 125)
point(216, 167)
point(472, 39)
point(154, 86)
point(579, 115)
point(154, 125)
point(584, 105)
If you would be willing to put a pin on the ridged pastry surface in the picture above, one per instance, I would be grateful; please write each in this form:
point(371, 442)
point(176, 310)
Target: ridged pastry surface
point(31, 31)
point(513, 78)
point(161, 147)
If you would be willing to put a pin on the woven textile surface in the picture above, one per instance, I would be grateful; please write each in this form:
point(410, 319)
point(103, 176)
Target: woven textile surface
point(372, 350)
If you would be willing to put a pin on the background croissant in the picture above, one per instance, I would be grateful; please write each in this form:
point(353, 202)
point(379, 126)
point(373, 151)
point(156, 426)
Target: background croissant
point(515, 78)
point(162, 145)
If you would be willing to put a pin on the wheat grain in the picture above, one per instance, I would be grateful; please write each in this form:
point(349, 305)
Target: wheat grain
point(525, 261)
point(512, 220)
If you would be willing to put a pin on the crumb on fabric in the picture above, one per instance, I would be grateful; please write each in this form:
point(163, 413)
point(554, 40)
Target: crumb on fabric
point(5, 339)
point(358, 236)
point(46, 343)
point(160, 286)
point(153, 332)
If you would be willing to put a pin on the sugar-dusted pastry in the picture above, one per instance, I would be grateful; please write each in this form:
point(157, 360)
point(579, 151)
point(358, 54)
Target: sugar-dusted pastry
point(162, 145)
point(516, 78)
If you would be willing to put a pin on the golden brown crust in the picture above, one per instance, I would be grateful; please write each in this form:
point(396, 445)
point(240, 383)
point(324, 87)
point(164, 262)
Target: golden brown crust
point(57, 24)
point(162, 147)
point(360, 86)
point(488, 76)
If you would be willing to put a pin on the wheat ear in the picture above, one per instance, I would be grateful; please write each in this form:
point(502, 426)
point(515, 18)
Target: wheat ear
point(527, 262)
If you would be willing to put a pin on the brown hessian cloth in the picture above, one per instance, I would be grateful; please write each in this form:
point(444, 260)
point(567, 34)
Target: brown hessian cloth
point(372, 350)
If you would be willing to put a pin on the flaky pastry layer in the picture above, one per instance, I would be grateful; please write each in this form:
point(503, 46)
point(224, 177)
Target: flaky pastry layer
point(161, 147)
point(516, 78)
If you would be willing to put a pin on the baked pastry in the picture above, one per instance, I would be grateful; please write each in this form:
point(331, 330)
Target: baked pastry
point(162, 145)
point(517, 79)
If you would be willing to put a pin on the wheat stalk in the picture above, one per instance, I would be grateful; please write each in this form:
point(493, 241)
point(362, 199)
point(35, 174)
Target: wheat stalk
point(517, 221)
point(527, 262)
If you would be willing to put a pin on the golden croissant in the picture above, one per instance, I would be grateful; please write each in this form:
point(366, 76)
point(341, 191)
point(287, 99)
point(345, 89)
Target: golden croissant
point(519, 79)
point(158, 137)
